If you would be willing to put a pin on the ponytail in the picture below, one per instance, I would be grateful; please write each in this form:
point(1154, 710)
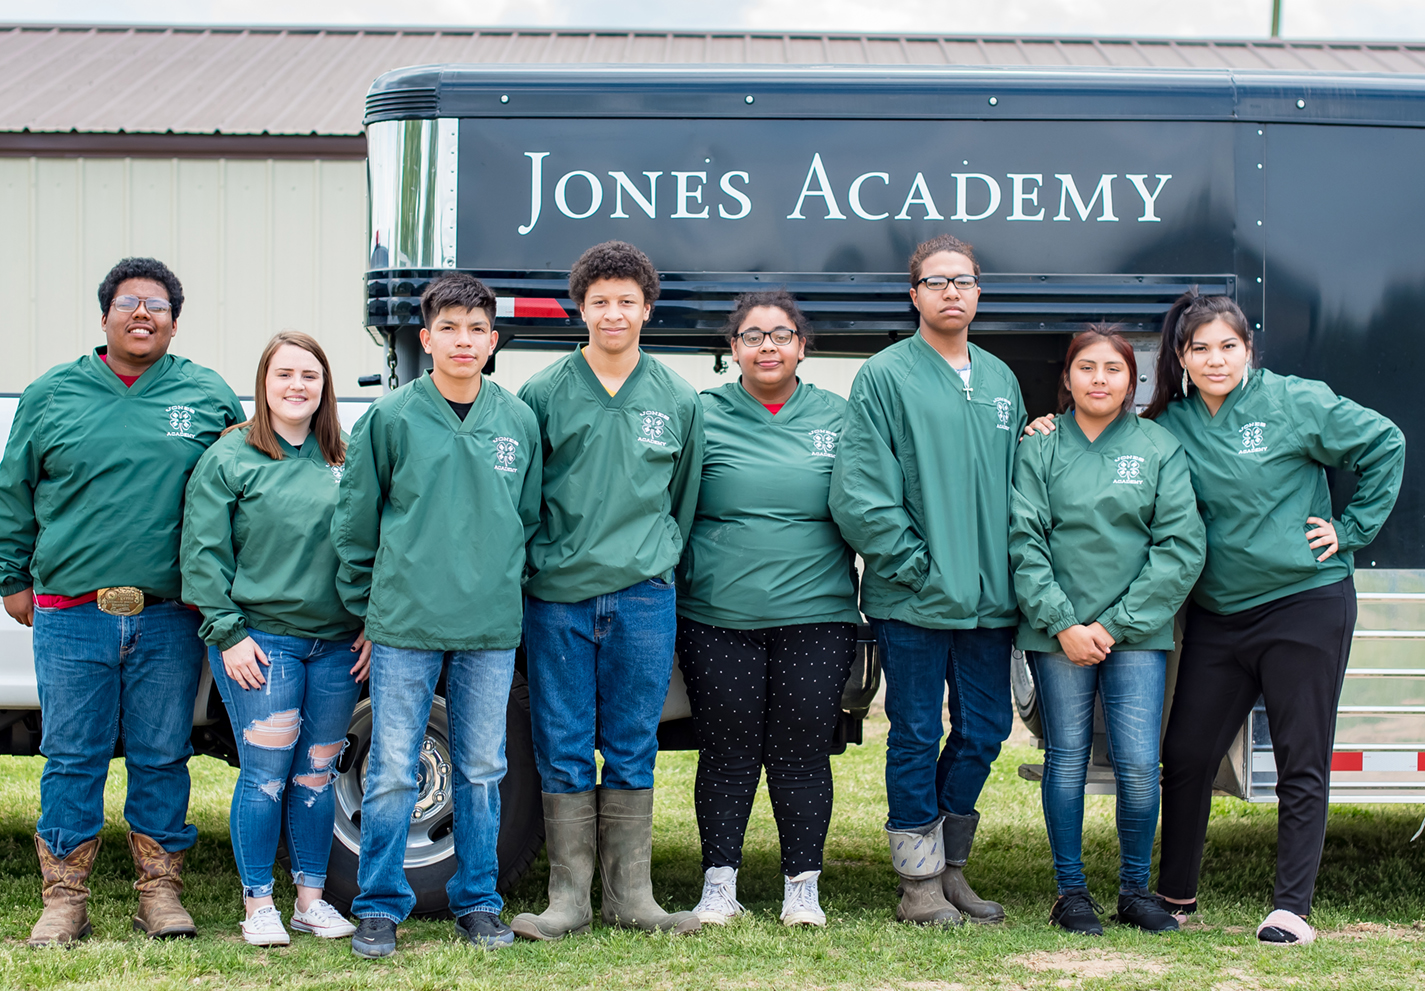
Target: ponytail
point(1188, 313)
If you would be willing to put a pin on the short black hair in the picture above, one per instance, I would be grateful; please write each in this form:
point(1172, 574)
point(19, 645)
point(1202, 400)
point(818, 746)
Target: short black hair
point(613, 260)
point(937, 244)
point(779, 298)
point(458, 289)
point(141, 268)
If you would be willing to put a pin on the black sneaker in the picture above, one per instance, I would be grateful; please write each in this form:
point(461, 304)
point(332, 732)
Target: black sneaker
point(1138, 908)
point(1076, 912)
point(374, 938)
point(485, 930)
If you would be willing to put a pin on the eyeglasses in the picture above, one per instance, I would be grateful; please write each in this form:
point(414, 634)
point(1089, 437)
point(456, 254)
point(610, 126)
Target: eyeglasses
point(781, 336)
point(127, 304)
point(938, 283)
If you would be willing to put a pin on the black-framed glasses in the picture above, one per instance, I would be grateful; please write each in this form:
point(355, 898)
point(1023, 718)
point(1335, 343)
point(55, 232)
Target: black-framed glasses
point(938, 283)
point(781, 336)
point(154, 304)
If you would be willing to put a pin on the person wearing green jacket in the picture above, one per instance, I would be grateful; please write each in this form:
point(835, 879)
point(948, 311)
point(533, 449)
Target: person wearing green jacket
point(1273, 612)
point(766, 609)
point(921, 491)
point(91, 505)
point(286, 656)
point(622, 438)
point(438, 496)
point(1106, 543)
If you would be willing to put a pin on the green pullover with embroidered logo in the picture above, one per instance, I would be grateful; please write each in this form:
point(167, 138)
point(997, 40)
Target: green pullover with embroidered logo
point(921, 486)
point(257, 547)
point(1104, 531)
point(621, 477)
point(432, 517)
point(91, 485)
point(1259, 470)
point(764, 550)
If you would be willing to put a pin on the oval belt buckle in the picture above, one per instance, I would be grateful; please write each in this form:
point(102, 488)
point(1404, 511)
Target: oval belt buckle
point(122, 600)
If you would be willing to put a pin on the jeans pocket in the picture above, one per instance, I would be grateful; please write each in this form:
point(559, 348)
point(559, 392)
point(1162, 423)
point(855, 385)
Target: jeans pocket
point(658, 582)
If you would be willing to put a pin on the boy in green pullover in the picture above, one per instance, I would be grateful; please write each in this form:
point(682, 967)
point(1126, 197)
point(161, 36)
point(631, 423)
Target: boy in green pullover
point(91, 503)
point(623, 444)
point(439, 494)
point(921, 490)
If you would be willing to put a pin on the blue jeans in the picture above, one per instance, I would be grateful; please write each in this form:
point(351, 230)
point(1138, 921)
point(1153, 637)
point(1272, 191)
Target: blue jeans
point(102, 675)
point(602, 667)
point(1130, 682)
point(477, 690)
point(918, 664)
point(289, 735)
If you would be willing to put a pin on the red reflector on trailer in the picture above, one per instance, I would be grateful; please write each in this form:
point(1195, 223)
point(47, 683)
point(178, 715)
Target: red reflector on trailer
point(1347, 761)
point(545, 309)
point(1420, 762)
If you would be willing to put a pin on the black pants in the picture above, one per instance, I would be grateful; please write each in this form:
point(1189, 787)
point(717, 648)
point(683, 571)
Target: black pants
point(769, 698)
point(1293, 653)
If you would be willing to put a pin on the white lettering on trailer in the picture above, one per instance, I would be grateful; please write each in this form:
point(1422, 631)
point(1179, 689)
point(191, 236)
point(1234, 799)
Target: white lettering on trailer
point(1148, 200)
point(623, 184)
point(1020, 196)
point(685, 194)
point(817, 172)
point(596, 194)
point(961, 181)
point(923, 199)
point(536, 188)
point(1067, 190)
point(726, 183)
point(853, 196)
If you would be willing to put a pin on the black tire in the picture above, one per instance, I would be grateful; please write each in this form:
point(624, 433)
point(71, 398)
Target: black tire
point(430, 857)
point(1026, 696)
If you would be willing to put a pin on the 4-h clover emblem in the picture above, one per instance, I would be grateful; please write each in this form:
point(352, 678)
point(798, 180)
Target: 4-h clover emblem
point(180, 419)
point(1129, 466)
point(505, 452)
point(1253, 436)
point(652, 426)
point(823, 443)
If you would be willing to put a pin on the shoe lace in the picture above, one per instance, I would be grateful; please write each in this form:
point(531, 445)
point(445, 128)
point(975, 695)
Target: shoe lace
point(1072, 901)
point(1138, 903)
point(720, 897)
point(322, 911)
point(800, 894)
point(265, 916)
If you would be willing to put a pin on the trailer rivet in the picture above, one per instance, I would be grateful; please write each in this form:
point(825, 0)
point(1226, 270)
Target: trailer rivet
point(1259, 326)
point(994, 101)
point(1259, 223)
point(748, 98)
point(1259, 165)
point(1301, 104)
point(1259, 280)
point(504, 99)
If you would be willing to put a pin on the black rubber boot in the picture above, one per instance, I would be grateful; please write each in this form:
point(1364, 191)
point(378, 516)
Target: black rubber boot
point(959, 837)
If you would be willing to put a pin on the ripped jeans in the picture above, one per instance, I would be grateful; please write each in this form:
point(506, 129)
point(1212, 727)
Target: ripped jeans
point(289, 733)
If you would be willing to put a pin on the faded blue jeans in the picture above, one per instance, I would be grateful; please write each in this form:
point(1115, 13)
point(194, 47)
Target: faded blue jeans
point(601, 665)
point(289, 735)
point(918, 664)
point(1130, 682)
point(100, 676)
point(477, 691)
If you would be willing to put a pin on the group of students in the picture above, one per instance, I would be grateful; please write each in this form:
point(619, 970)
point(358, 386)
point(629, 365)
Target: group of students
point(608, 515)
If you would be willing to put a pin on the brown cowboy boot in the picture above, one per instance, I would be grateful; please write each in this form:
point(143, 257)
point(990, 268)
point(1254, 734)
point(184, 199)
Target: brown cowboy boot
point(64, 920)
point(160, 883)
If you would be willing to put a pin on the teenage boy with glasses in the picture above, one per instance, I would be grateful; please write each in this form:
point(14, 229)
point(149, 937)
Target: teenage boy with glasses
point(921, 490)
point(91, 503)
point(439, 493)
point(623, 442)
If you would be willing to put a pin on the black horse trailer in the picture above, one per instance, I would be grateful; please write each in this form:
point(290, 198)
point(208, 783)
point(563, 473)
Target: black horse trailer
point(1089, 195)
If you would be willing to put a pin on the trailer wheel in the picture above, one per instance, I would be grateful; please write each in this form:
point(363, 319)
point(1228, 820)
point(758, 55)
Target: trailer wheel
point(1026, 696)
point(430, 844)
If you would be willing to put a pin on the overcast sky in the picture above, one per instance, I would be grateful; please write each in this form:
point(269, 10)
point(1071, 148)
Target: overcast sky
point(1378, 19)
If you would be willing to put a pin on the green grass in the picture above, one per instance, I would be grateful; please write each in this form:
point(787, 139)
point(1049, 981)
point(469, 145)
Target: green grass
point(1370, 894)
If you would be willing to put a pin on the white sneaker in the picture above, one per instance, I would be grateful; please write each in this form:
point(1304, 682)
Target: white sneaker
point(264, 928)
point(719, 902)
point(800, 904)
point(320, 919)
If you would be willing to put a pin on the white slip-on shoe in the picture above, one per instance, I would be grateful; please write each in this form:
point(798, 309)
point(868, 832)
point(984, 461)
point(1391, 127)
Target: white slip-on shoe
point(719, 902)
point(264, 928)
point(320, 919)
point(801, 905)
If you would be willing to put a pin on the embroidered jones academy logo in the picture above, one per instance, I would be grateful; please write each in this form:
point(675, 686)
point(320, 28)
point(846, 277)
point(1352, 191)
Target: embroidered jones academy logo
point(1254, 439)
point(1005, 407)
point(1130, 467)
point(823, 443)
point(505, 450)
point(336, 471)
point(180, 421)
point(653, 423)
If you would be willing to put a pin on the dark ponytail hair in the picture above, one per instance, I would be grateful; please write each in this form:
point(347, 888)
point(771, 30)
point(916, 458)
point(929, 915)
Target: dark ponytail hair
point(1190, 312)
point(1112, 334)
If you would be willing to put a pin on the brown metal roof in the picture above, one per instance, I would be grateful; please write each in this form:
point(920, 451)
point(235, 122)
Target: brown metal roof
point(312, 81)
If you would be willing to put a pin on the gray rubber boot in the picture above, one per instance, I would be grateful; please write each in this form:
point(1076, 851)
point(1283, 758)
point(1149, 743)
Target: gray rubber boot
point(959, 837)
point(571, 826)
point(918, 856)
point(625, 851)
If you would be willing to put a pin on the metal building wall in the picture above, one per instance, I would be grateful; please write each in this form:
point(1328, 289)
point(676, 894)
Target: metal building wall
point(259, 244)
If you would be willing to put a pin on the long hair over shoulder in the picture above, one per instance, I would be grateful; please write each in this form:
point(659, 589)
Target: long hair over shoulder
point(326, 424)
